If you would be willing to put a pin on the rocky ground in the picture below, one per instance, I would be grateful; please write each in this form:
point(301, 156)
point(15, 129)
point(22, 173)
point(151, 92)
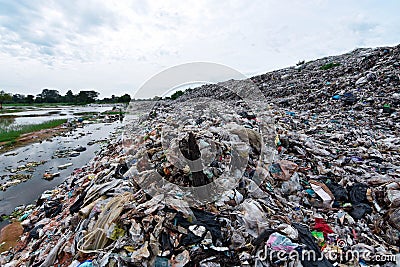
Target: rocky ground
point(310, 166)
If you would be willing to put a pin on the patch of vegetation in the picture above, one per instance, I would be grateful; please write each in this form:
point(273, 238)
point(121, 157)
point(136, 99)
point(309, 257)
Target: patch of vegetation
point(11, 134)
point(177, 94)
point(329, 66)
point(301, 62)
point(39, 104)
point(113, 112)
point(6, 111)
point(90, 113)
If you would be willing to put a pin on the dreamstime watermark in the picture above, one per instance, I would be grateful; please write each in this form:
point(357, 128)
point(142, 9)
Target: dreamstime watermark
point(288, 256)
point(165, 125)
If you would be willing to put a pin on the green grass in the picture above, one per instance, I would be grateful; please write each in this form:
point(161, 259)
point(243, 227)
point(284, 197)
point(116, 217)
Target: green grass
point(113, 112)
point(329, 66)
point(85, 113)
point(11, 134)
point(6, 111)
point(39, 104)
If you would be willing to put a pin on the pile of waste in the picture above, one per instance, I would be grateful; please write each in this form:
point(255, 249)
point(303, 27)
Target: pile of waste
point(308, 176)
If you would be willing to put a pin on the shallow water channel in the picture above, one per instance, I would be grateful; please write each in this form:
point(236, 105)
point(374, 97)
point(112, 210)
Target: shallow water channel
point(91, 136)
point(36, 115)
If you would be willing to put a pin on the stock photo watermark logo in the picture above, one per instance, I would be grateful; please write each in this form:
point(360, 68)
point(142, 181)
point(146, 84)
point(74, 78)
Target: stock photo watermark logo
point(177, 130)
point(339, 253)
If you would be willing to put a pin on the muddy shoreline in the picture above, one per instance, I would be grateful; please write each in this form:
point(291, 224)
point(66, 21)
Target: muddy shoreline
point(32, 137)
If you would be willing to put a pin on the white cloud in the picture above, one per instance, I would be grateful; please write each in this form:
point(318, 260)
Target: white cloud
point(114, 46)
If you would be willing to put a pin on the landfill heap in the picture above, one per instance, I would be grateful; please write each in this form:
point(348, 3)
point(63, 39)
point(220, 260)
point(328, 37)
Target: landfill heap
point(312, 168)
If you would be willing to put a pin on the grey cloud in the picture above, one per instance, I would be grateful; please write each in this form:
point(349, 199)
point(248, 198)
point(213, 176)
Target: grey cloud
point(20, 22)
point(363, 27)
point(141, 7)
point(142, 58)
point(46, 50)
point(88, 16)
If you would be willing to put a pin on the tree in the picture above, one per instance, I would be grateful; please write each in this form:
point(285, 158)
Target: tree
point(50, 96)
point(176, 94)
point(18, 98)
point(124, 99)
point(4, 97)
point(29, 99)
point(69, 97)
point(39, 98)
point(85, 97)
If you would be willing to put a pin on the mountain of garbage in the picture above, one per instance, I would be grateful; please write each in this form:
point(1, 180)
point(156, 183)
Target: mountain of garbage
point(308, 176)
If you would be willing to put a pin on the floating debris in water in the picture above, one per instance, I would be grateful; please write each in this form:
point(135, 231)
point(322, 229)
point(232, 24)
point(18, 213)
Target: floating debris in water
point(64, 166)
point(50, 176)
point(28, 166)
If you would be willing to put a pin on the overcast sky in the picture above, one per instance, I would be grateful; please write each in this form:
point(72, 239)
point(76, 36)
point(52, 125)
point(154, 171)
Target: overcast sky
point(115, 46)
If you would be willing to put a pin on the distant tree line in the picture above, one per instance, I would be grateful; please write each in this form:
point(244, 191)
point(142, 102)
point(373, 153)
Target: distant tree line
point(53, 96)
point(82, 98)
point(174, 96)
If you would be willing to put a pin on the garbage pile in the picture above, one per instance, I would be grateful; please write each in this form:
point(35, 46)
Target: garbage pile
point(310, 177)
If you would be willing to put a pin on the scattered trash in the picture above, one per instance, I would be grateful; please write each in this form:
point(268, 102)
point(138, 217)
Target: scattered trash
point(331, 183)
point(50, 176)
point(30, 166)
point(64, 166)
point(15, 179)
